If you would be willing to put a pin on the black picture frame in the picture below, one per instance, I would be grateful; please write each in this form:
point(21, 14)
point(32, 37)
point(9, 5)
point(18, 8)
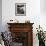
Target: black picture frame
point(20, 9)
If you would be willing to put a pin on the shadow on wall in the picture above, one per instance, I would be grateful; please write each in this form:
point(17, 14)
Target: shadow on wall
point(43, 6)
point(0, 15)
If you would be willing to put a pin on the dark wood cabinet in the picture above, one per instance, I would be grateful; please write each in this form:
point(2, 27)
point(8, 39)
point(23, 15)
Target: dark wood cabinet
point(22, 33)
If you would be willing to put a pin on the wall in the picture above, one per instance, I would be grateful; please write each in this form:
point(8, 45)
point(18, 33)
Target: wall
point(0, 15)
point(43, 6)
point(43, 14)
point(33, 13)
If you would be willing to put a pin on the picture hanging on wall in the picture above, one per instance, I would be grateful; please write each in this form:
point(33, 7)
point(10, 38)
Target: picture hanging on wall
point(20, 9)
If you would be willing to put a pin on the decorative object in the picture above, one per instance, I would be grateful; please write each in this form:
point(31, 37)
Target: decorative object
point(41, 36)
point(20, 9)
point(27, 21)
point(13, 21)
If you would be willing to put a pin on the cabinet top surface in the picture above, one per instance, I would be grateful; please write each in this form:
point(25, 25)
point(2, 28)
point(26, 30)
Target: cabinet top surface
point(19, 23)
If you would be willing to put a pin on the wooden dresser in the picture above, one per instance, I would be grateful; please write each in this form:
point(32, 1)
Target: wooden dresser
point(22, 33)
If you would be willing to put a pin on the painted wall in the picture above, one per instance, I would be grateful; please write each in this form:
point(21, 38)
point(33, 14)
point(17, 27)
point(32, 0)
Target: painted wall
point(43, 6)
point(33, 13)
point(0, 15)
point(43, 14)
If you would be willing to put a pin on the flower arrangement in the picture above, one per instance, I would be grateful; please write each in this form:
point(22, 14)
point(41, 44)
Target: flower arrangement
point(40, 34)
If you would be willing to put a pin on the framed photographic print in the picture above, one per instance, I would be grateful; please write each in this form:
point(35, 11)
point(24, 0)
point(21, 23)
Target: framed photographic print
point(20, 9)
